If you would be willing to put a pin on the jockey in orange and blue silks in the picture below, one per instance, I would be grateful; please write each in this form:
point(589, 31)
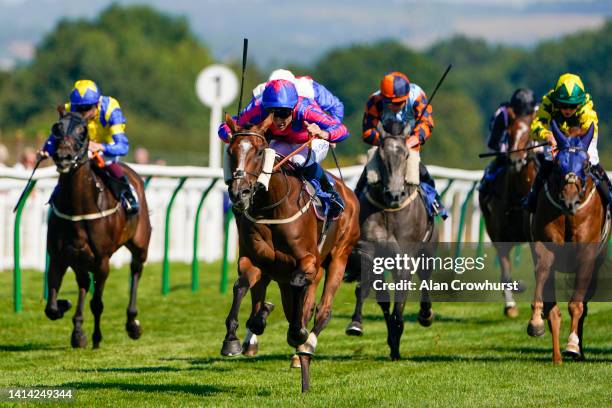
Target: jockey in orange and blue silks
point(106, 132)
point(307, 88)
point(295, 119)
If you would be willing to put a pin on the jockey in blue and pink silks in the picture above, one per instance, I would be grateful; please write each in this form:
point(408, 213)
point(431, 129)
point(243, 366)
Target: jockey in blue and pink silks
point(295, 120)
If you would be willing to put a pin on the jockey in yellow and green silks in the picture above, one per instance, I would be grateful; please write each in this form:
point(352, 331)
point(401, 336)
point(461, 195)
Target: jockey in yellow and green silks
point(570, 106)
point(106, 132)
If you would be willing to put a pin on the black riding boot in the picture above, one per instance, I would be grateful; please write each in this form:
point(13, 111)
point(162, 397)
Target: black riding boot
point(425, 177)
point(123, 191)
point(531, 201)
point(603, 186)
point(316, 172)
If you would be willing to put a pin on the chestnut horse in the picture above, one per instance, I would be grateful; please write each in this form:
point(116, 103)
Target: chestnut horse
point(279, 239)
point(570, 232)
point(87, 225)
point(504, 216)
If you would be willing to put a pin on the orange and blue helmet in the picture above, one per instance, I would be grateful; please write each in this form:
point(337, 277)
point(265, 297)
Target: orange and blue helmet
point(395, 87)
point(279, 93)
point(85, 92)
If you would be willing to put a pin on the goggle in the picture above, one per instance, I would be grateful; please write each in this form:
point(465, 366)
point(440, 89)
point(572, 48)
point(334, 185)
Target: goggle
point(281, 113)
point(567, 106)
point(82, 108)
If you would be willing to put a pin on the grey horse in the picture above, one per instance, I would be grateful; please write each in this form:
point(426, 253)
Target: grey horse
point(393, 216)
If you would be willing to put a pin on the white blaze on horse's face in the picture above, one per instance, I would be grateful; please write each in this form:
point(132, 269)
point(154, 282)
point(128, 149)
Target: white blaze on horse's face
point(245, 146)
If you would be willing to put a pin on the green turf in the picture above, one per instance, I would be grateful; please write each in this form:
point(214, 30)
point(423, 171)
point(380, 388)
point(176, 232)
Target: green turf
point(471, 356)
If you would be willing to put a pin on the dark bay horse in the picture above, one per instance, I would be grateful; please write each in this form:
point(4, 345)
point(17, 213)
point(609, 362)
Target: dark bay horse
point(504, 216)
point(279, 239)
point(392, 213)
point(570, 231)
point(87, 225)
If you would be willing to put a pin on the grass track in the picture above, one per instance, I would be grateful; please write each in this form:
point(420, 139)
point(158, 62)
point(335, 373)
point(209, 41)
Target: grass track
point(471, 356)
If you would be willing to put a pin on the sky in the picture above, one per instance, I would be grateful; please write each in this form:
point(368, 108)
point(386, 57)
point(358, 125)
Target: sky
point(290, 31)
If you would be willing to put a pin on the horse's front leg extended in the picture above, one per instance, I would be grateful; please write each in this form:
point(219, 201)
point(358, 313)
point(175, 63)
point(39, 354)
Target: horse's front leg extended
point(249, 275)
point(96, 305)
point(302, 277)
point(544, 262)
point(55, 308)
point(78, 338)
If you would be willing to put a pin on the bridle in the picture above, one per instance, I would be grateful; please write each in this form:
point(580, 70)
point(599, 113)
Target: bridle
point(253, 185)
point(81, 143)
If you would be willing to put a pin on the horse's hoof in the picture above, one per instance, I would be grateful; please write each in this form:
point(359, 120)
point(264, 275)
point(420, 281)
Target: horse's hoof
point(395, 356)
point(256, 325)
point(78, 340)
point(297, 337)
point(133, 329)
point(511, 312)
point(425, 317)
point(231, 348)
point(572, 349)
point(295, 362)
point(250, 350)
point(354, 329)
point(96, 345)
point(535, 330)
point(63, 305)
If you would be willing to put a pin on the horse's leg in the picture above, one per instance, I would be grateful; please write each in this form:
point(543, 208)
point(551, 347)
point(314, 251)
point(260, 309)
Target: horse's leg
point(301, 278)
point(385, 306)
point(355, 328)
point(132, 325)
point(287, 300)
point(260, 310)
point(78, 338)
point(545, 260)
point(425, 316)
point(553, 315)
point(582, 284)
point(56, 308)
point(248, 276)
point(96, 305)
point(585, 311)
point(503, 254)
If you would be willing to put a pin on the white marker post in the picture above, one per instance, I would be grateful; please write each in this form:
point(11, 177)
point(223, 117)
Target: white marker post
point(216, 86)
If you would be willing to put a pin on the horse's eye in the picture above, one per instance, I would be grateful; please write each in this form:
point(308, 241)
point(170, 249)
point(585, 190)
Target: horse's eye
point(260, 153)
point(79, 128)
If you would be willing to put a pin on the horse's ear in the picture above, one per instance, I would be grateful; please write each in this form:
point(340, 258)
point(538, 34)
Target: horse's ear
point(61, 109)
point(561, 139)
point(230, 122)
point(263, 127)
point(586, 139)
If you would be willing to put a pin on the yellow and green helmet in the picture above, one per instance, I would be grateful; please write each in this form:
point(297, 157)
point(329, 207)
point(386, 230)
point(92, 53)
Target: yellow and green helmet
point(569, 90)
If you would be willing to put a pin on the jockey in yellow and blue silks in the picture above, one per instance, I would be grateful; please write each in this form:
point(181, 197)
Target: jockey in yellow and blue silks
point(295, 120)
point(106, 131)
point(570, 106)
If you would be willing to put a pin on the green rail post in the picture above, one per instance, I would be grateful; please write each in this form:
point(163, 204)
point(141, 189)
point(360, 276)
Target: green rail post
point(481, 231)
point(17, 248)
point(448, 186)
point(47, 259)
point(464, 207)
point(225, 264)
point(147, 180)
point(166, 263)
point(195, 267)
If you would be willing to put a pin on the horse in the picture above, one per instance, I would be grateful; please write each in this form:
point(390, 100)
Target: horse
point(87, 225)
point(570, 230)
point(280, 238)
point(387, 209)
point(504, 216)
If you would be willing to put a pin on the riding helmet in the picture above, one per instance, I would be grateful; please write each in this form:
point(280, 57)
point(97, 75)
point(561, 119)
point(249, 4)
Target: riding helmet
point(395, 87)
point(85, 92)
point(279, 93)
point(569, 90)
point(523, 101)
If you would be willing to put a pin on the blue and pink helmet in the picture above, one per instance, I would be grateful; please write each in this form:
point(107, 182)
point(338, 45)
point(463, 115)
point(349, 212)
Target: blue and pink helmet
point(279, 93)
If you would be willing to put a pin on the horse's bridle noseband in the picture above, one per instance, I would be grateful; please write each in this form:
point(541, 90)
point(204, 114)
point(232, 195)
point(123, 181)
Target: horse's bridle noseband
point(572, 178)
point(81, 144)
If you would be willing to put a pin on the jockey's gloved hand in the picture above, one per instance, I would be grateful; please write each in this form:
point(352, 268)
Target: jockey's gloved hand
point(42, 155)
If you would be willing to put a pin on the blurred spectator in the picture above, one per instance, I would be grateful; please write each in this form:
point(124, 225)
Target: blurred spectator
point(27, 159)
point(160, 162)
point(4, 154)
point(141, 155)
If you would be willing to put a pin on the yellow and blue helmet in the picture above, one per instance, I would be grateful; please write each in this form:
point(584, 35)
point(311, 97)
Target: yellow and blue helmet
point(85, 92)
point(569, 90)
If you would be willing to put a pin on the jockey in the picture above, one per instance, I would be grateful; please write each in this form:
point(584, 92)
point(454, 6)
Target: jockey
point(308, 88)
point(399, 101)
point(106, 131)
point(521, 103)
point(570, 106)
point(296, 119)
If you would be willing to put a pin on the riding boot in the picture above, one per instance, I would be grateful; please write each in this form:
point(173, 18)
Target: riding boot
point(486, 184)
point(425, 177)
point(315, 172)
point(531, 201)
point(603, 186)
point(122, 190)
